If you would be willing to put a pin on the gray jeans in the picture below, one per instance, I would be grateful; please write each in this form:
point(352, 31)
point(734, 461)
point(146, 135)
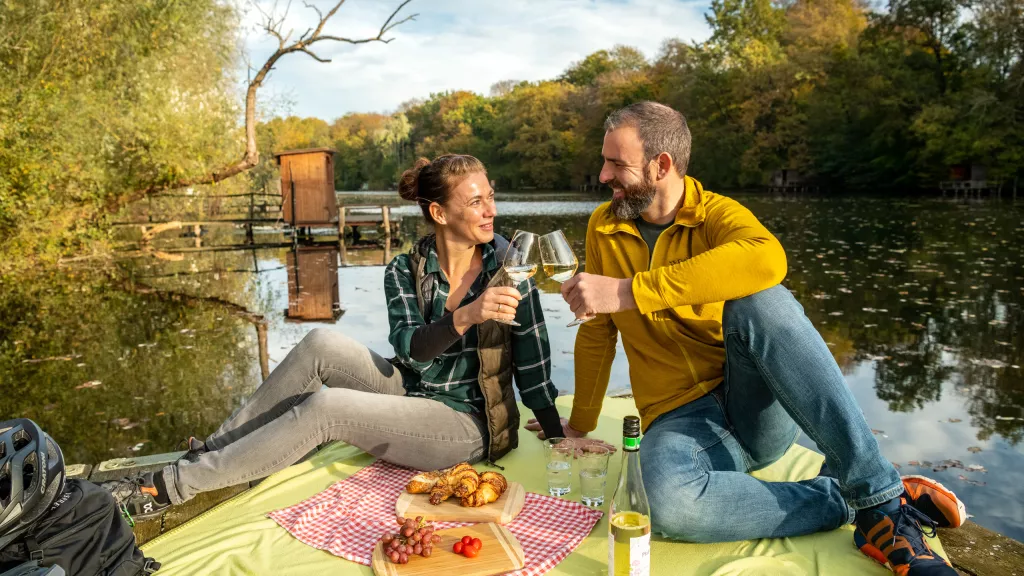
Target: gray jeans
point(291, 413)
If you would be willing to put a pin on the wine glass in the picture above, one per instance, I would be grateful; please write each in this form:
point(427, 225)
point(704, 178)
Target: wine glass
point(520, 262)
point(559, 262)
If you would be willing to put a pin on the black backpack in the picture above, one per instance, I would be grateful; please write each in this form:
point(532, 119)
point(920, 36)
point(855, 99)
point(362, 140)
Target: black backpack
point(83, 533)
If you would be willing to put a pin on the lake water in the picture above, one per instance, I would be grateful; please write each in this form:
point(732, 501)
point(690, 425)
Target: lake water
point(919, 301)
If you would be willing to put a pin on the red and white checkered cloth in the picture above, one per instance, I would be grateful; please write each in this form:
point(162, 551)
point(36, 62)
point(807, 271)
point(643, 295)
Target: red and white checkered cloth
point(349, 517)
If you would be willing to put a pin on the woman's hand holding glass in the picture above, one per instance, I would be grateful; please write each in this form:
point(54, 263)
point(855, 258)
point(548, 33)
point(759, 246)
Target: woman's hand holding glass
point(520, 261)
point(496, 303)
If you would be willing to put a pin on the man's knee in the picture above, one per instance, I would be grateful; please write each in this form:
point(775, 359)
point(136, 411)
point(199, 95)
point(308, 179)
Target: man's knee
point(679, 509)
point(773, 309)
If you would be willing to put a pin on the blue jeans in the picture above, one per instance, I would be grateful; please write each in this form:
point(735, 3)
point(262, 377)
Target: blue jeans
point(780, 378)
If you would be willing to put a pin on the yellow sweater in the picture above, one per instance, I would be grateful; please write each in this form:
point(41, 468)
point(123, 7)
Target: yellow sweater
point(716, 250)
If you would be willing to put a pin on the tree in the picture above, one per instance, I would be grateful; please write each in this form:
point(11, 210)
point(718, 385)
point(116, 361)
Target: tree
point(619, 59)
point(103, 104)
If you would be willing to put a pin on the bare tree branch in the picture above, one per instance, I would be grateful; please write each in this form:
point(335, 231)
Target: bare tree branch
point(315, 57)
point(272, 26)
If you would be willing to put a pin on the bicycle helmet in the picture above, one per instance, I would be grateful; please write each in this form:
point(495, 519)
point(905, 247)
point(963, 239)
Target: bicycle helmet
point(31, 476)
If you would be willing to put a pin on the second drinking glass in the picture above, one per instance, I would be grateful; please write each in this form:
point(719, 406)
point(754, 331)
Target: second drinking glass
point(559, 262)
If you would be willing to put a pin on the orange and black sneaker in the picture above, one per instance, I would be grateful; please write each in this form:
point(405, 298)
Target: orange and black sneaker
point(893, 534)
point(935, 500)
point(137, 497)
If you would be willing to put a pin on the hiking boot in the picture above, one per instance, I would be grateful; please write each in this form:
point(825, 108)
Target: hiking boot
point(892, 534)
point(137, 497)
point(935, 500)
point(194, 449)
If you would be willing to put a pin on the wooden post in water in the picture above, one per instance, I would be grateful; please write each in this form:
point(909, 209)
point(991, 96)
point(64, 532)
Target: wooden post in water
point(197, 230)
point(386, 214)
point(261, 337)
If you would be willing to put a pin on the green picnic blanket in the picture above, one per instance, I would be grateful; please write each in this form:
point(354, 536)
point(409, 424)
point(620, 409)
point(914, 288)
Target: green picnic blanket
point(236, 537)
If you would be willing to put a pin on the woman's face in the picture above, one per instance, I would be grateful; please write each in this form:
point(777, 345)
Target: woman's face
point(470, 210)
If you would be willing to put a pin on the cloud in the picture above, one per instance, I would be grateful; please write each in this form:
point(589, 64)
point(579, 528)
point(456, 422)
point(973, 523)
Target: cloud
point(458, 45)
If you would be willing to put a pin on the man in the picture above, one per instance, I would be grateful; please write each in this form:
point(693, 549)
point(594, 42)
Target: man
point(725, 367)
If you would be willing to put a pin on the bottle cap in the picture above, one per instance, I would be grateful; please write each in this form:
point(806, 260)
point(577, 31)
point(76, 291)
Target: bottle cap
point(631, 427)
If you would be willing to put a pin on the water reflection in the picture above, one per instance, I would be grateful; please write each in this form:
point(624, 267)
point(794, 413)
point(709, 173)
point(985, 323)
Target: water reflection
point(313, 284)
point(919, 301)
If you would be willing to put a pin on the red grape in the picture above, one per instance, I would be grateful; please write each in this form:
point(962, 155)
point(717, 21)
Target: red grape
point(428, 551)
point(394, 556)
point(403, 559)
point(417, 549)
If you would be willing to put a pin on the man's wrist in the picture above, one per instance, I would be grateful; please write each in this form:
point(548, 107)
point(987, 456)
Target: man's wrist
point(626, 299)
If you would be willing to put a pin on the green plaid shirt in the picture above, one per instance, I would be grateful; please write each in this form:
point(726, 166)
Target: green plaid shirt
point(452, 377)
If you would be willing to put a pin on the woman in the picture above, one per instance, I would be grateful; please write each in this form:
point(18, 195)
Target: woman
point(447, 397)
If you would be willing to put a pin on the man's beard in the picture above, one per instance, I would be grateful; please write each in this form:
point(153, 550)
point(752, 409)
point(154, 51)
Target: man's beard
point(635, 198)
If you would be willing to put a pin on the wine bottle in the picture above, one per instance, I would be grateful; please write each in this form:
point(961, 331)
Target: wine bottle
point(629, 525)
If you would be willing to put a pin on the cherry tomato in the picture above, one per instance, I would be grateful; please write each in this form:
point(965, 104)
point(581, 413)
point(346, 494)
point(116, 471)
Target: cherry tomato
point(477, 544)
point(467, 540)
point(470, 552)
point(457, 547)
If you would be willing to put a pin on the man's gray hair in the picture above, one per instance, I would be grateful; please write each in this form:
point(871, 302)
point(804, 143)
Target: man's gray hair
point(661, 129)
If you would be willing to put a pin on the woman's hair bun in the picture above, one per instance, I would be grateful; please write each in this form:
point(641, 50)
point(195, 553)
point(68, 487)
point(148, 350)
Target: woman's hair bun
point(408, 184)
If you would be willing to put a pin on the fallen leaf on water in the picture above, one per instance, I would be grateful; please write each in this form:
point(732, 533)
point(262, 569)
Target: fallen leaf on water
point(913, 463)
point(975, 468)
point(954, 420)
point(969, 481)
point(89, 384)
point(974, 449)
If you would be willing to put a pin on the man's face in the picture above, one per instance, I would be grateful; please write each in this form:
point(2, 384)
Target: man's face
point(626, 172)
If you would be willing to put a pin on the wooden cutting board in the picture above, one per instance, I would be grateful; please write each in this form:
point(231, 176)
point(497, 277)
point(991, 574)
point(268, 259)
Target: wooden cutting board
point(500, 553)
point(502, 511)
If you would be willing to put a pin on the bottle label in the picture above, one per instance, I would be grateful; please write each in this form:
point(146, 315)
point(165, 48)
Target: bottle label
point(631, 443)
point(640, 555)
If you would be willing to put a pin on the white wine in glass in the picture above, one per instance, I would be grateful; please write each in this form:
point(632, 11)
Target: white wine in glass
point(520, 274)
point(520, 262)
point(559, 261)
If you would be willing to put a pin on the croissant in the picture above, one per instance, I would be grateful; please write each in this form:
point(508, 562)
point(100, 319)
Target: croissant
point(455, 480)
point(492, 486)
point(464, 482)
point(422, 483)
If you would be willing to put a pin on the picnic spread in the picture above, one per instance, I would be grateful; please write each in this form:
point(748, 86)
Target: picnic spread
point(327, 515)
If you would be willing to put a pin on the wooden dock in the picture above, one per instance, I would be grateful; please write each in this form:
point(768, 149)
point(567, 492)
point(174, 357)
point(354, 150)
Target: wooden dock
point(351, 222)
point(973, 189)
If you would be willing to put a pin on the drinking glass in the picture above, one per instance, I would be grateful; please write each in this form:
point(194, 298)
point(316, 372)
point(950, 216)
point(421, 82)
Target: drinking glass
point(559, 262)
point(559, 454)
point(520, 261)
point(593, 473)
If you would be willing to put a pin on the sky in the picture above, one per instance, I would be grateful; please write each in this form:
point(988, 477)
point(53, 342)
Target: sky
point(452, 45)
